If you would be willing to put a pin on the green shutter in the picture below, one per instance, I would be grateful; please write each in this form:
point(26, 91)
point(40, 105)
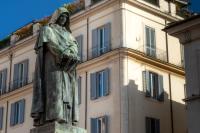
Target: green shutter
point(160, 88)
point(148, 125)
point(79, 40)
point(94, 125)
point(147, 37)
point(153, 43)
point(79, 90)
point(4, 79)
point(106, 82)
point(12, 115)
point(94, 43)
point(93, 86)
point(22, 110)
point(15, 77)
point(1, 118)
point(107, 37)
point(25, 76)
point(106, 123)
point(157, 126)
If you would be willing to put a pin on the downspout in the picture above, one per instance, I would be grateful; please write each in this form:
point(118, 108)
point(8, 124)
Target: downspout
point(86, 90)
point(86, 77)
point(171, 105)
point(166, 39)
point(6, 126)
point(9, 87)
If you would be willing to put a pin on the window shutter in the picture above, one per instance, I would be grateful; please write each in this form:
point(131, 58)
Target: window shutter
point(12, 115)
point(107, 37)
point(93, 86)
point(25, 76)
point(106, 123)
point(4, 76)
point(79, 40)
point(153, 43)
point(1, 117)
point(148, 125)
point(94, 125)
point(22, 110)
point(146, 84)
point(160, 88)
point(15, 78)
point(147, 34)
point(94, 43)
point(106, 82)
point(79, 90)
point(157, 126)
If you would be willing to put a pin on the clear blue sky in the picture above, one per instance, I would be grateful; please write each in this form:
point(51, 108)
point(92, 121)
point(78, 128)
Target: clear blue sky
point(16, 13)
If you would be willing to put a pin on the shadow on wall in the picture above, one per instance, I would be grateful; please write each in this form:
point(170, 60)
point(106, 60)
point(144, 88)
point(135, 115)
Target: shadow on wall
point(169, 112)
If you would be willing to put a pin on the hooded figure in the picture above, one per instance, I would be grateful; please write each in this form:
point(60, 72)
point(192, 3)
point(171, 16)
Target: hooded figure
point(55, 95)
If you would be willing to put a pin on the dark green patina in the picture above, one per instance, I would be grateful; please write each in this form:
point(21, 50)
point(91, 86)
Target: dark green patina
point(55, 96)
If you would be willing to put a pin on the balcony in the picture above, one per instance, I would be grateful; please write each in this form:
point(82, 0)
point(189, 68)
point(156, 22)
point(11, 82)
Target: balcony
point(14, 85)
point(153, 2)
point(98, 51)
point(95, 1)
point(153, 53)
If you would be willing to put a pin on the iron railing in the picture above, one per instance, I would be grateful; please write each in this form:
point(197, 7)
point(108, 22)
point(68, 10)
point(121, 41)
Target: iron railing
point(16, 84)
point(153, 53)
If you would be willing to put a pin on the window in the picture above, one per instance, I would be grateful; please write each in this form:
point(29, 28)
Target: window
point(154, 2)
point(20, 74)
point(101, 40)
point(3, 79)
point(153, 85)
point(17, 112)
point(1, 118)
point(152, 125)
point(95, 1)
point(182, 55)
point(99, 125)
point(99, 84)
point(150, 43)
point(79, 90)
point(79, 40)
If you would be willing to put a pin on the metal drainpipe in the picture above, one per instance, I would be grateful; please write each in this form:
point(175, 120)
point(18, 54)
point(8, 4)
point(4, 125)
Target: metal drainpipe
point(7, 103)
point(166, 38)
point(171, 106)
point(86, 86)
point(6, 126)
point(86, 77)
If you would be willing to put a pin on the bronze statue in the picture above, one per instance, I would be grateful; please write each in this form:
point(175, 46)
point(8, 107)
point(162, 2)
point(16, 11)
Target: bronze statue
point(55, 95)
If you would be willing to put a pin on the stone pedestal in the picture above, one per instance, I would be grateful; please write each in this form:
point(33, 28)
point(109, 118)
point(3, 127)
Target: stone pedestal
point(55, 127)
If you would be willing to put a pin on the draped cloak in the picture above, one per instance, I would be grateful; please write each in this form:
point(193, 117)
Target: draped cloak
point(55, 95)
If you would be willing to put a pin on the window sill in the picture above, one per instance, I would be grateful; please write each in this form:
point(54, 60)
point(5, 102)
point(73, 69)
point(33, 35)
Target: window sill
point(151, 99)
point(99, 99)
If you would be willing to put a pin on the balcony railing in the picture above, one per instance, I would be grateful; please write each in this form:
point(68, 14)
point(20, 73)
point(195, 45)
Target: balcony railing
point(96, 51)
point(153, 53)
point(14, 85)
point(95, 1)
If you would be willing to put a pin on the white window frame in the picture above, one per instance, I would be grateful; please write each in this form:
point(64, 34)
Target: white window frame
point(150, 47)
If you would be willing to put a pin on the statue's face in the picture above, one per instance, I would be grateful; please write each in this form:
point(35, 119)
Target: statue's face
point(62, 20)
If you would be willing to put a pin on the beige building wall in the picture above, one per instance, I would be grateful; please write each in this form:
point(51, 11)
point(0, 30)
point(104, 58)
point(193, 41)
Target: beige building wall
point(126, 105)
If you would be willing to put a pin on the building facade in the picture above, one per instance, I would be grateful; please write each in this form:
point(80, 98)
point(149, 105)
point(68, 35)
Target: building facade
point(188, 33)
point(131, 78)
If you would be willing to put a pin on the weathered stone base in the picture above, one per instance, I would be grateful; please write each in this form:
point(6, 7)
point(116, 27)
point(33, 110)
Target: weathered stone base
point(55, 127)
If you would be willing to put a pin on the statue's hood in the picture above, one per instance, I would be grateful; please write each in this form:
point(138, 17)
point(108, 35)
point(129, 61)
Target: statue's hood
point(57, 13)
